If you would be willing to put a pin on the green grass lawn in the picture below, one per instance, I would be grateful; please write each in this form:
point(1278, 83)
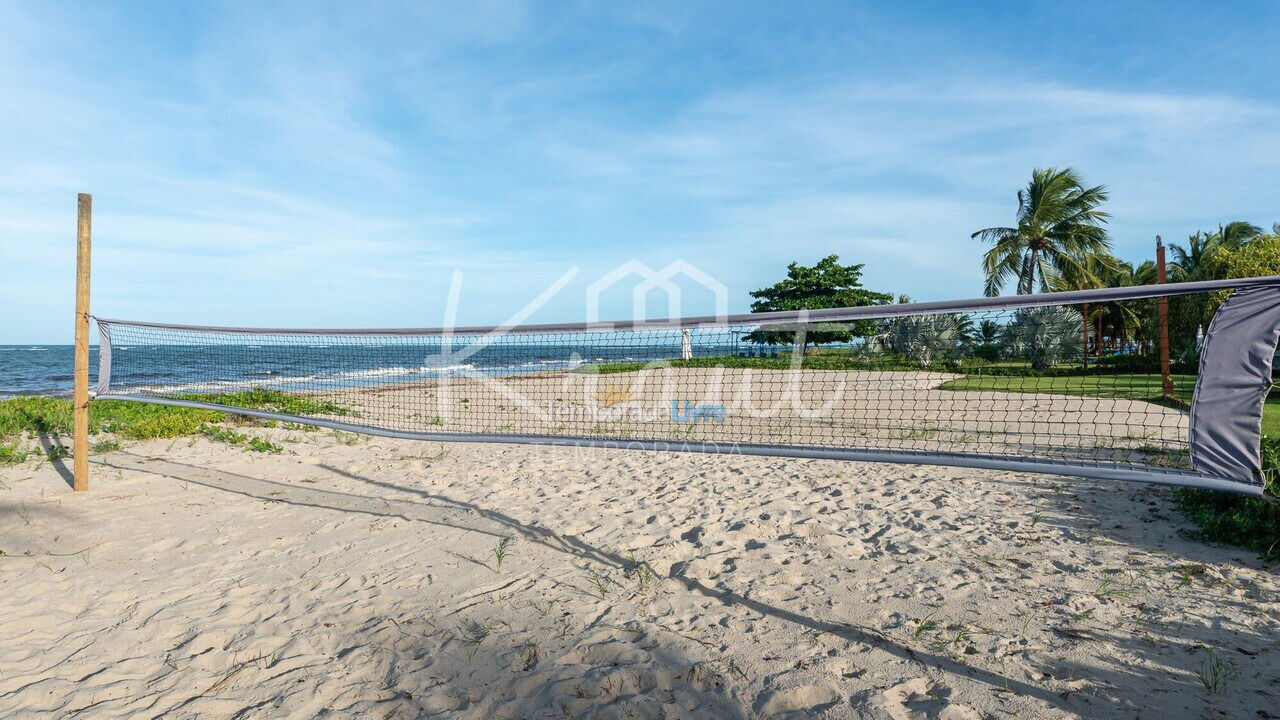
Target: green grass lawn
point(1136, 387)
point(827, 361)
point(1271, 418)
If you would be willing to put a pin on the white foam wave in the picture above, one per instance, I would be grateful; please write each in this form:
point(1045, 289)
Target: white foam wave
point(321, 379)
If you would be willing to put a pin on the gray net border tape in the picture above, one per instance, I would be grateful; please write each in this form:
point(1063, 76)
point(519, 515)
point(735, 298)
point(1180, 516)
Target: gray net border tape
point(806, 317)
point(104, 357)
point(1225, 433)
point(981, 462)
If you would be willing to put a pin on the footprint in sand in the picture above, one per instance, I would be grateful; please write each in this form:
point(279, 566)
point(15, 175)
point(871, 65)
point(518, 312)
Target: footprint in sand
point(805, 699)
point(918, 699)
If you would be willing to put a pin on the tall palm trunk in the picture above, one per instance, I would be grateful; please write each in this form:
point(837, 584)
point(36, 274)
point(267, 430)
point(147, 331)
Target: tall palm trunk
point(1030, 286)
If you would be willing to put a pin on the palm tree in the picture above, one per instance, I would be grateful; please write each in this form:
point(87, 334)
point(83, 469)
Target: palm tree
point(1234, 234)
point(1059, 227)
point(1120, 321)
point(1188, 262)
point(1091, 271)
point(1191, 262)
point(1145, 274)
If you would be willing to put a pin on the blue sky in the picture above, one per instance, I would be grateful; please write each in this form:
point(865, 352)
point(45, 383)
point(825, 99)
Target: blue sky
point(332, 164)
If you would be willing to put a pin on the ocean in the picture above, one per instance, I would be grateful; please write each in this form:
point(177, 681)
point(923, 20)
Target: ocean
point(47, 369)
point(40, 369)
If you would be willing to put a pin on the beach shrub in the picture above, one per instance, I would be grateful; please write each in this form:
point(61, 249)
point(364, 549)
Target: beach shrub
point(263, 445)
point(33, 416)
point(166, 425)
point(223, 435)
point(1043, 336)
point(12, 454)
point(1185, 359)
point(988, 352)
point(925, 339)
point(984, 343)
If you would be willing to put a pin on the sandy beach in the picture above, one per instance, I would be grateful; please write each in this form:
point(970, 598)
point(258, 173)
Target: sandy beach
point(868, 409)
point(358, 577)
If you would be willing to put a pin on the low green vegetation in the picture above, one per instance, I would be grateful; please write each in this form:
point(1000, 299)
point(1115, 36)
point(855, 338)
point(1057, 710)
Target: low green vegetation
point(11, 454)
point(1253, 523)
point(1248, 522)
point(104, 446)
point(274, 401)
point(31, 417)
point(223, 435)
point(228, 436)
point(264, 445)
point(853, 359)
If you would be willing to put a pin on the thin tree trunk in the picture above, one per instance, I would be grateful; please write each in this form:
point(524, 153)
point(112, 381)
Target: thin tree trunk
point(1098, 337)
point(1084, 336)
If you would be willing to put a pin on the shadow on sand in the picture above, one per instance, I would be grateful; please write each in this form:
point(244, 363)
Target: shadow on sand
point(447, 512)
point(1070, 512)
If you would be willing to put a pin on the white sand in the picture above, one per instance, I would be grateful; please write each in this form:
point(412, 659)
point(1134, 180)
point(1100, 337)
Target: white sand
point(894, 410)
point(358, 580)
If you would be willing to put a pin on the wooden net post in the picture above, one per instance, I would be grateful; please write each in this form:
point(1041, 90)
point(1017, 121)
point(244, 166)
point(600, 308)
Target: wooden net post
point(1166, 379)
point(80, 396)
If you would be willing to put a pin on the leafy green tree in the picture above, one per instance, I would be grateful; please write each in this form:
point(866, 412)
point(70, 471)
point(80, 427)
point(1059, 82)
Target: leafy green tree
point(1260, 258)
point(1059, 227)
point(1208, 256)
point(828, 284)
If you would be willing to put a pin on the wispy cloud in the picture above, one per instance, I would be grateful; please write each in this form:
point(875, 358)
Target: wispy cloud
point(321, 166)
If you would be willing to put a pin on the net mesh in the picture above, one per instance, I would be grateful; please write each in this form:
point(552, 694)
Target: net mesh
point(1077, 383)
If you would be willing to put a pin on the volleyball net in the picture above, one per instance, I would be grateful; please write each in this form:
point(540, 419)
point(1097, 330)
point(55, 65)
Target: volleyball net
point(1066, 383)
